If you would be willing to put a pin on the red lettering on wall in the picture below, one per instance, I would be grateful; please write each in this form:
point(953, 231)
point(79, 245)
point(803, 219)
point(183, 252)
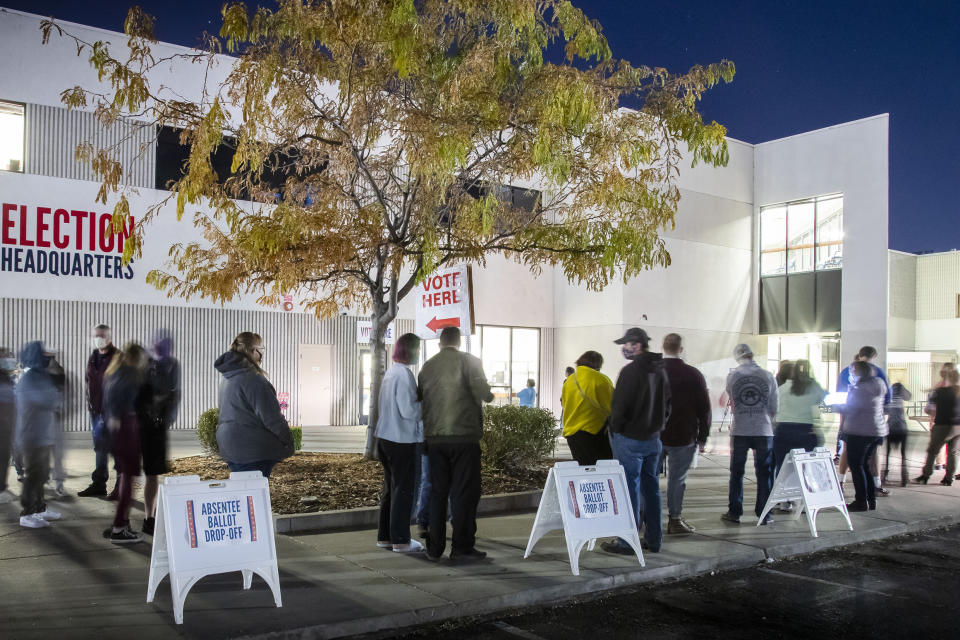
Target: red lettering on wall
point(24, 240)
point(78, 217)
point(59, 241)
point(42, 226)
point(92, 239)
point(8, 223)
point(106, 233)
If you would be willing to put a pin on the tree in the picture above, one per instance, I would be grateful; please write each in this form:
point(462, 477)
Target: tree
point(376, 138)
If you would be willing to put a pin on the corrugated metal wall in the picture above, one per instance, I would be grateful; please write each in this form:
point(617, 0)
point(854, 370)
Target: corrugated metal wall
point(200, 336)
point(549, 391)
point(53, 133)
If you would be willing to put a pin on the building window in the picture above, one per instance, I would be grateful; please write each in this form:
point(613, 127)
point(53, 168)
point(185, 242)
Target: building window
point(510, 357)
point(11, 136)
point(802, 236)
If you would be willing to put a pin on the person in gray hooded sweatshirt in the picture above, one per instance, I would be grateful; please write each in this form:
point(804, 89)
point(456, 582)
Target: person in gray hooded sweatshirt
point(753, 392)
point(37, 400)
point(252, 433)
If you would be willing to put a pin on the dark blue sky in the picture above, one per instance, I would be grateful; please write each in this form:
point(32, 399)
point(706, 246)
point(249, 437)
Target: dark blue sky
point(800, 66)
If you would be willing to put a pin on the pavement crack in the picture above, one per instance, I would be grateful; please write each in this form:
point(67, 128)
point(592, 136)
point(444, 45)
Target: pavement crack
point(514, 631)
point(831, 583)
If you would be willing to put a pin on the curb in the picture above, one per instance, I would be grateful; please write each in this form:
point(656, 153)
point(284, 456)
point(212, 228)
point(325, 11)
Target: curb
point(751, 556)
point(369, 517)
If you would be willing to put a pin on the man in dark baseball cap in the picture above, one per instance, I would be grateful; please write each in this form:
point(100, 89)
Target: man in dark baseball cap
point(634, 334)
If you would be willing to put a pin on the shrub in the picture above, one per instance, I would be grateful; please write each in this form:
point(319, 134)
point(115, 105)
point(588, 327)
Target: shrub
point(207, 431)
point(516, 437)
point(297, 433)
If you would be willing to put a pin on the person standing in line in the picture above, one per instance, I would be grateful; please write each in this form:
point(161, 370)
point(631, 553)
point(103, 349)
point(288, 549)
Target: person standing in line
point(36, 400)
point(97, 363)
point(687, 428)
point(942, 405)
point(158, 410)
point(125, 392)
point(527, 397)
point(897, 431)
point(784, 372)
point(798, 400)
point(252, 433)
point(399, 435)
point(753, 394)
point(59, 378)
point(639, 412)
point(8, 420)
point(586, 399)
point(864, 428)
point(453, 388)
point(867, 354)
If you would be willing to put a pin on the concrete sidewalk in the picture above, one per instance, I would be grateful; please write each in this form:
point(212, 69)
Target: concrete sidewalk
point(68, 581)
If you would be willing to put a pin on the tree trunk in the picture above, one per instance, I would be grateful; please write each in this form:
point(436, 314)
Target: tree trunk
point(380, 320)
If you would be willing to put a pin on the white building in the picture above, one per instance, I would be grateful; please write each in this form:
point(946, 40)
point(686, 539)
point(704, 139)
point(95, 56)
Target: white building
point(785, 248)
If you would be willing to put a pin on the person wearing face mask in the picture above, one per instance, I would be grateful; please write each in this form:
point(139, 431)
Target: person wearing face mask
point(252, 433)
point(37, 399)
point(8, 420)
point(156, 413)
point(97, 364)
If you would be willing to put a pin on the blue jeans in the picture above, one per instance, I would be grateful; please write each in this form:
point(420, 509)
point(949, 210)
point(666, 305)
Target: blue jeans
point(677, 461)
point(263, 466)
point(639, 459)
point(421, 506)
point(859, 451)
point(101, 450)
point(763, 464)
point(788, 436)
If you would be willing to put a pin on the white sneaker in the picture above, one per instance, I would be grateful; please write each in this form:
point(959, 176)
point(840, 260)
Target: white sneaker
point(413, 547)
point(33, 521)
point(50, 515)
point(6, 497)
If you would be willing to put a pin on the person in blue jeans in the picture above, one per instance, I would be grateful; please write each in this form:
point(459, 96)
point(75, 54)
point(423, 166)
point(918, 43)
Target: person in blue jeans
point(753, 394)
point(638, 413)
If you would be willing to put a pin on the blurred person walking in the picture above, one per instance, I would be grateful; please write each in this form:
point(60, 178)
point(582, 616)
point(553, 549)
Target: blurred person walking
point(753, 394)
point(942, 405)
point(252, 433)
point(798, 400)
point(586, 399)
point(124, 394)
point(36, 400)
point(897, 431)
point(97, 363)
point(399, 436)
point(864, 428)
point(59, 378)
point(8, 420)
point(157, 412)
point(688, 427)
point(453, 388)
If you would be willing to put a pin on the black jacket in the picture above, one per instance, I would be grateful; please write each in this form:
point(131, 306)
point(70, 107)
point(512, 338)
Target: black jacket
point(641, 398)
point(690, 413)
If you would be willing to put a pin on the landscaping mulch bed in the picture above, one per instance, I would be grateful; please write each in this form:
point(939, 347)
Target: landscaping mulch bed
point(342, 480)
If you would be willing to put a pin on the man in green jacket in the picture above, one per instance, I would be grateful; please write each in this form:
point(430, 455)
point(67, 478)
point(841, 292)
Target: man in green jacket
point(453, 388)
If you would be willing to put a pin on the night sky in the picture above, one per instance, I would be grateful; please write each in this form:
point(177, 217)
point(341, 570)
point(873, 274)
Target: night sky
point(800, 66)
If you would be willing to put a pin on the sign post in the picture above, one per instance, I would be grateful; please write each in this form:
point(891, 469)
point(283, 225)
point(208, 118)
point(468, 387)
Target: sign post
point(444, 299)
point(808, 480)
point(587, 503)
point(208, 527)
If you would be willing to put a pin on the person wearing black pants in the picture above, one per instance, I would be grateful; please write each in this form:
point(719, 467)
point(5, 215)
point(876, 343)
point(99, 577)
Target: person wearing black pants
point(865, 429)
point(396, 500)
point(453, 388)
point(454, 473)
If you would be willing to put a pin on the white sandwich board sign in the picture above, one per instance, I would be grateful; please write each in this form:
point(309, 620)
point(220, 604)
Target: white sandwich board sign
point(444, 299)
point(208, 527)
point(808, 480)
point(587, 503)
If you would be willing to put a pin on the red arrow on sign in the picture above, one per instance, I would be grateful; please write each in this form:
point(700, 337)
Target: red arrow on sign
point(435, 325)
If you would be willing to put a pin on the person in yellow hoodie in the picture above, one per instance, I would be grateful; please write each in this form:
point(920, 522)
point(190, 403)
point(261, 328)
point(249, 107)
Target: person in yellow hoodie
point(586, 398)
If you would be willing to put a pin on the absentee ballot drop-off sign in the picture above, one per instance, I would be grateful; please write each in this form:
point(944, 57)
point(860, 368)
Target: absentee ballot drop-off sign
point(444, 299)
point(593, 498)
point(218, 522)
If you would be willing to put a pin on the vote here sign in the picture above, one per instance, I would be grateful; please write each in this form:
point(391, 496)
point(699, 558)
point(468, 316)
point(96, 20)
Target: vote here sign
point(220, 521)
point(594, 498)
point(443, 300)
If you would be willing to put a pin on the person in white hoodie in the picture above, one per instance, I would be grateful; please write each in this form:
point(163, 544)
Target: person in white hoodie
point(864, 428)
point(399, 433)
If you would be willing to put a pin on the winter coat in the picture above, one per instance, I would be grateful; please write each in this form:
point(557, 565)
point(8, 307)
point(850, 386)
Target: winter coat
point(641, 398)
point(585, 399)
point(399, 419)
point(690, 413)
point(97, 365)
point(163, 403)
point(453, 389)
point(251, 426)
point(37, 400)
point(863, 411)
